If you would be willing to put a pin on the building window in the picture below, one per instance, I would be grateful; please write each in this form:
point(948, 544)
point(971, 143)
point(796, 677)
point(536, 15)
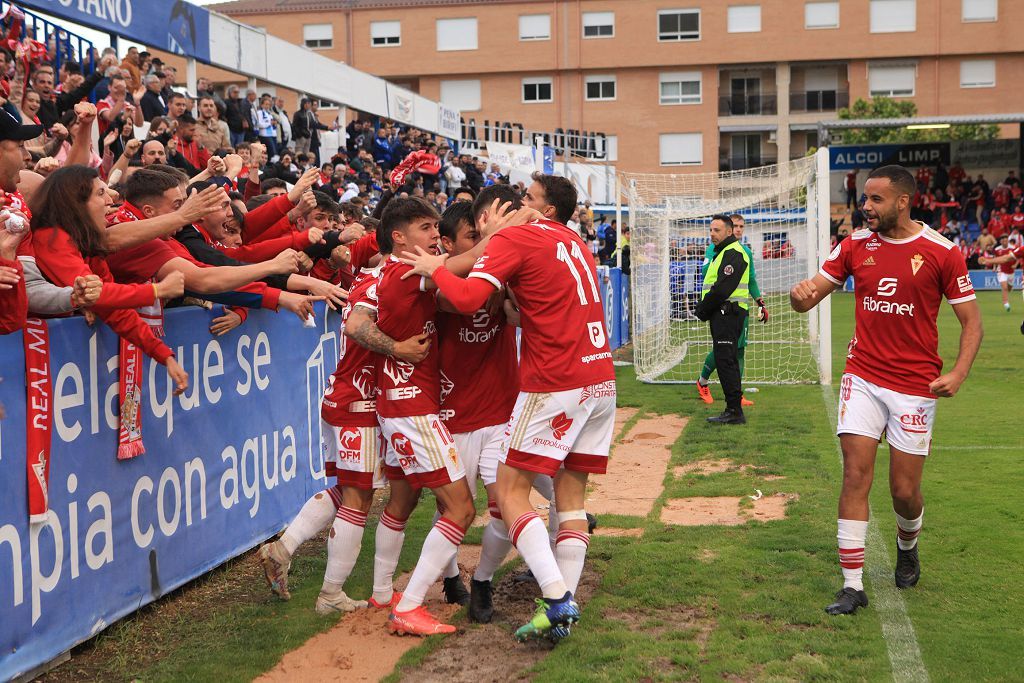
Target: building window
point(979, 10)
point(611, 148)
point(461, 95)
point(318, 36)
point(535, 27)
point(893, 16)
point(598, 24)
point(978, 73)
point(681, 149)
point(456, 34)
point(679, 87)
point(891, 80)
point(538, 89)
point(599, 87)
point(745, 19)
point(679, 24)
point(821, 15)
point(385, 33)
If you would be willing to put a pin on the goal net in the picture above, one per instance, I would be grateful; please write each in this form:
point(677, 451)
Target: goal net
point(786, 211)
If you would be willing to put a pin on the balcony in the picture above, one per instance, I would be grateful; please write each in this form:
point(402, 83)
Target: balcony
point(739, 163)
point(747, 105)
point(818, 100)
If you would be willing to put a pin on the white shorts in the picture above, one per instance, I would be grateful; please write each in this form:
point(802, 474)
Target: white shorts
point(421, 449)
point(870, 410)
point(573, 428)
point(480, 450)
point(1002, 277)
point(355, 455)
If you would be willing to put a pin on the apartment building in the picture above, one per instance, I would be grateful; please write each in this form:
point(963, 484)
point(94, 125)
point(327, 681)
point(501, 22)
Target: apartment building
point(666, 86)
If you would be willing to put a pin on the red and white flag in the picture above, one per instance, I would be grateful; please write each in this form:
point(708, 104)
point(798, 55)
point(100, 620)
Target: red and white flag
point(38, 417)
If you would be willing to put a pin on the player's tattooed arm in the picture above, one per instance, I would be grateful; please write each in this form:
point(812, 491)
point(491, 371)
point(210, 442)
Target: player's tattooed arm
point(362, 328)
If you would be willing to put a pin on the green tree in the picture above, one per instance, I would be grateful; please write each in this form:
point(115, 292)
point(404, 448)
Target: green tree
point(887, 108)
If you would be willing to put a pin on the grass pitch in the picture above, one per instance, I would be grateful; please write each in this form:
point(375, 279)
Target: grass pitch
point(684, 603)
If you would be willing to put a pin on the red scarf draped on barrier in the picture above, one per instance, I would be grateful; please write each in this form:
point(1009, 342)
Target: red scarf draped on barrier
point(37, 417)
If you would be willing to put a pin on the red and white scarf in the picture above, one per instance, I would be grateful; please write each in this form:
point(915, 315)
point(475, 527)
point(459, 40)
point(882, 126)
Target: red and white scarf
point(38, 417)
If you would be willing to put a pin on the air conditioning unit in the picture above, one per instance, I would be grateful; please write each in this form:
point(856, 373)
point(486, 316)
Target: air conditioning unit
point(773, 137)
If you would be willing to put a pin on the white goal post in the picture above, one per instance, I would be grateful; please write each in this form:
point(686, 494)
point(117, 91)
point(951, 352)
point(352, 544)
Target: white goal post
point(787, 213)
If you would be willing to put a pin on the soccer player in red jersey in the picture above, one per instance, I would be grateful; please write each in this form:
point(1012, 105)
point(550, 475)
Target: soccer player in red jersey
point(901, 271)
point(1004, 260)
point(563, 420)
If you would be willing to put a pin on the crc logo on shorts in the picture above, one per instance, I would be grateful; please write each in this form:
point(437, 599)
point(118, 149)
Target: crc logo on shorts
point(887, 286)
point(400, 442)
point(560, 424)
point(398, 371)
point(596, 331)
point(916, 422)
point(350, 444)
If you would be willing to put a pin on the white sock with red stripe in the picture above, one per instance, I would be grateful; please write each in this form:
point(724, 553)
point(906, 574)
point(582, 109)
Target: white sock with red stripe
point(387, 547)
point(451, 570)
point(570, 553)
point(316, 514)
point(852, 533)
point(907, 530)
point(441, 545)
point(530, 538)
point(343, 545)
point(495, 545)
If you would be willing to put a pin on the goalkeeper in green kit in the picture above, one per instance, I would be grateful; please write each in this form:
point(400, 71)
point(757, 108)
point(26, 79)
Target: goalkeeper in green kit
point(762, 314)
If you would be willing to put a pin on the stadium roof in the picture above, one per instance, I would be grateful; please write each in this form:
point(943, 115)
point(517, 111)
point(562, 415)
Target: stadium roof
point(271, 6)
point(980, 119)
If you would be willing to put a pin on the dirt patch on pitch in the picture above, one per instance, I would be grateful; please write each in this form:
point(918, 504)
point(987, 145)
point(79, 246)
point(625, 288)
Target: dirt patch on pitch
point(720, 466)
point(657, 622)
point(613, 532)
point(636, 469)
point(725, 510)
point(488, 652)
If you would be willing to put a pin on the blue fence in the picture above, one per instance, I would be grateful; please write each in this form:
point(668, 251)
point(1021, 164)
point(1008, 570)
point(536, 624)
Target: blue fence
point(122, 533)
point(615, 299)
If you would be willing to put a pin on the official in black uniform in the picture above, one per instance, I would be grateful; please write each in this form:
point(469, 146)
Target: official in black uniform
point(725, 303)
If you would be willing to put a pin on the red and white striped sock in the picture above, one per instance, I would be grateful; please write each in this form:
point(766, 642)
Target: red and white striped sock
point(451, 570)
point(907, 530)
point(530, 538)
point(441, 545)
point(495, 545)
point(343, 545)
point(570, 553)
point(852, 533)
point(387, 547)
point(315, 514)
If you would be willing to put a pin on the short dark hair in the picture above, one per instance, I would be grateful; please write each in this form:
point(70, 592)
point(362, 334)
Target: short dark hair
point(351, 210)
point(257, 201)
point(271, 183)
point(325, 203)
point(558, 192)
point(172, 171)
point(900, 177)
point(186, 119)
point(176, 95)
point(456, 214)
point(725, 218)
point(734, 216)
point(503, 193)
point(465, 189)
point(146, 183)
point(400, 212)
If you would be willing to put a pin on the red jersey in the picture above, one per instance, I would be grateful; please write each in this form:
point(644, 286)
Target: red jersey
point(1010, 267)
point(350, 400)
point(479, 369)
point(406, 309)
point(552, 274)
point(899, 285)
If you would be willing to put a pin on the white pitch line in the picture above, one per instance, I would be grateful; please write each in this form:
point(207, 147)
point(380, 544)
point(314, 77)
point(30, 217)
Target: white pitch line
point(897, 629)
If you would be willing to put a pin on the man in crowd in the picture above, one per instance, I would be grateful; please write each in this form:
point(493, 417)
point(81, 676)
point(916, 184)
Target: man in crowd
point(213, 133)
point(152, 102)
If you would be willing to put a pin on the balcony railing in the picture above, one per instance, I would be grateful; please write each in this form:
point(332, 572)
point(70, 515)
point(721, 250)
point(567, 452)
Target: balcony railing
point(738, 163)
point(818, 100)
point(747, 105)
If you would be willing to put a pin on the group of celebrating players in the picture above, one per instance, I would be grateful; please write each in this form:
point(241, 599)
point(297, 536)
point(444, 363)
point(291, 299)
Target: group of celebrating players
point(431, 392)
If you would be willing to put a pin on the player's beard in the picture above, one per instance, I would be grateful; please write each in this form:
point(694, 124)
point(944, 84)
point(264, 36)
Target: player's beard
point(885, 223)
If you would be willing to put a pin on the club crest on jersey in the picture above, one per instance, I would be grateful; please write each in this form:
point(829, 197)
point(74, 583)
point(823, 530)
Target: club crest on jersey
point(362, 380)
point(400, 442)
point(916, 262)
point(446, 387)
point(398, 371)
point(560, 424)
point(371, 292)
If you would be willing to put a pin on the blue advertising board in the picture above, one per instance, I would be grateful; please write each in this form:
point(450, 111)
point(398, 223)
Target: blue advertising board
point(173, 25)
point(227, 464)
point(849, 157)
point(614, 288)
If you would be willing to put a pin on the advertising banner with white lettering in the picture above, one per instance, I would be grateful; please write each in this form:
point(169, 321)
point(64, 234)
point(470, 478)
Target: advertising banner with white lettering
point(849, 157)
point(173, 25)
point(448, 122)
point(226, 465)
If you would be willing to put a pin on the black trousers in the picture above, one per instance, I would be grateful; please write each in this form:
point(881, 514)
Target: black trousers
point(726, 326)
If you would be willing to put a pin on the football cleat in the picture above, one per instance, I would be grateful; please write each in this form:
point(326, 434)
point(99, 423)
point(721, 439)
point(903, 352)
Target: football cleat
point(729, 417)
point(704, 391)
point(455, 592)
point(396, 596)
point(524, 577)
point(908, 567)
point(481, 605)
point(1007, 307)
point(550, 615)
point(339, 602)
point(276, 562)
point(745, 402)
point(848, 601)
point(417, 622)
